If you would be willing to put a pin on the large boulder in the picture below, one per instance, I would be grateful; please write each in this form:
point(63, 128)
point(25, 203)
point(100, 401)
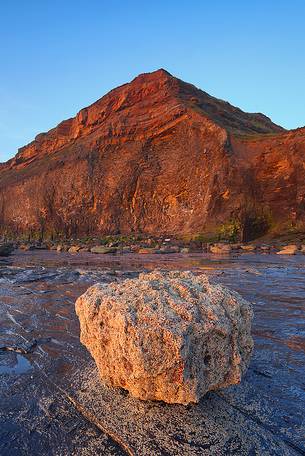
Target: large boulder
point(166, 336)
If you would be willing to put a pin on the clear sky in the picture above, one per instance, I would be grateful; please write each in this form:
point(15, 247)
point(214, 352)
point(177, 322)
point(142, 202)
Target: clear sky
point(58, 56)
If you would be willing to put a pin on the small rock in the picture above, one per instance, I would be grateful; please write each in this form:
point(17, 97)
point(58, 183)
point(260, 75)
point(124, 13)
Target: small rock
point(166, 336)
point(265, 248)
point(248, 247)
point(27, 247)
point(74, 249)
point(102, 249)
point(291, 249)
point(185, 250)
point(167, 250)
point(235, 246)
point(220, 248)
point(113, 244)
point(147, 250)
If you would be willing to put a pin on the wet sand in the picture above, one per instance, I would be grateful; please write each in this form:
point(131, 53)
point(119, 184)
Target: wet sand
point(52, 402)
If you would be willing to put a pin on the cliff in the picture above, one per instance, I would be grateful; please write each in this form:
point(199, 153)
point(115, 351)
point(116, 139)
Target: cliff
point(156, 156)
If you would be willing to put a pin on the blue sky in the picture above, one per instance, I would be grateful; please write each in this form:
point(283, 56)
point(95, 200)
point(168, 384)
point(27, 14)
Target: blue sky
point(59, 56)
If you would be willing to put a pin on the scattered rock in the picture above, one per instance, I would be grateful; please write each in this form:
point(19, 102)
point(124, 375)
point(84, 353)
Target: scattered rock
point(235, 246)
point(291, 249)
point(102, 249)
point(25, 348)
point(126, 249)
point(147, 250)
point(265, 248)
point(253, 271)
point(27, 247)
point(248, 247)
point(113, 244)
point(166, 336)
point(166, 250)
point(74, 249)
point(185, 250)
point(220, 248)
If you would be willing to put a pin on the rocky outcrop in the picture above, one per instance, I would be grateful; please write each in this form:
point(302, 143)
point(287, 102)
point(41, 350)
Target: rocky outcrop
point(156, 155)
point(166, 336)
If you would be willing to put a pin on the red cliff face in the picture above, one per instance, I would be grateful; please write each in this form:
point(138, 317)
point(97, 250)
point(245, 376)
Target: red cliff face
point(156, 156)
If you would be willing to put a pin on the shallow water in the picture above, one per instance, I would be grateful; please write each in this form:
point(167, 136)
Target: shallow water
point(42, 361)
point(19, 366)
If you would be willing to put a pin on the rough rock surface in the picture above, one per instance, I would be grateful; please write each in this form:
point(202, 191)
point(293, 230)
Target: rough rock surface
point(156, 155)
point(166, 336)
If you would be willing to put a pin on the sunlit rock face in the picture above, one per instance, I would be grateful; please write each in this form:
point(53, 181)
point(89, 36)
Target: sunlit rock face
point(156, 155)
point(166, 336)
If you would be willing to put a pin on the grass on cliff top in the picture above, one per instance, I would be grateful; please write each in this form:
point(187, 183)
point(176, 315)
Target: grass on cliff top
point(258, 136)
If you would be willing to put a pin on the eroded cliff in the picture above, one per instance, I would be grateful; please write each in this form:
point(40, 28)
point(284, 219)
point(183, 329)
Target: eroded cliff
point(156, 155)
